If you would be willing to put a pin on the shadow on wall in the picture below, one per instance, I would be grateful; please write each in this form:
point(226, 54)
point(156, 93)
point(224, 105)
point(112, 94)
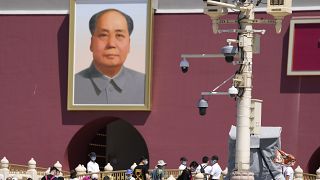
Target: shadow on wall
point(121, 147)
point(83, 117)
point(295, 84)
point(314, 162)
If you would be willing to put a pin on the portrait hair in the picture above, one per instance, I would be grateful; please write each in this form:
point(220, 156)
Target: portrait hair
point(95, 17)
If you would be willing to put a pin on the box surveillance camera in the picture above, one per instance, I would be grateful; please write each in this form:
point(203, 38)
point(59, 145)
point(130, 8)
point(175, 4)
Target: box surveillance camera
point(279, 8)
point(215, 11)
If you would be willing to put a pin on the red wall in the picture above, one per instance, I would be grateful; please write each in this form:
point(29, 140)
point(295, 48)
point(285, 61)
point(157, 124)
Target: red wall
point(33, 80)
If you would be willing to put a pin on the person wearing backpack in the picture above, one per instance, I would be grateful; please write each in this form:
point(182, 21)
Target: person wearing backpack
point(204, 168)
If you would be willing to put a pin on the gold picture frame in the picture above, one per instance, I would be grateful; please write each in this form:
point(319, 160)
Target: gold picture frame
point(139, 59)
point(304, 47)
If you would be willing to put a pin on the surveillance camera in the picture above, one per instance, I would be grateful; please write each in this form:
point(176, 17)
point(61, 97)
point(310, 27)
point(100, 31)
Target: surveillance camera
point(215, 12)
point(184, 65)
point(279, 10)
point(233, 91)
point(229, 52)
point(202, 105)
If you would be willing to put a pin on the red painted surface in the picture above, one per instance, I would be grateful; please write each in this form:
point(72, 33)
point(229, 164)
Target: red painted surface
point(306, 47)
point(33, 80)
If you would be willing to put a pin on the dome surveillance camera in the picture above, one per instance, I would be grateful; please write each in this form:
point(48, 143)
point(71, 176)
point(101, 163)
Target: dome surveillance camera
point(184, 65)
point(202, 105)
point(233, 91)
point(229, 52)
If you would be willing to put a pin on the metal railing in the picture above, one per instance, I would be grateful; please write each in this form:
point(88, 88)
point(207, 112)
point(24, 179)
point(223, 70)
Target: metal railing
point(120, 175)
point(16, 169)
point(307, 176)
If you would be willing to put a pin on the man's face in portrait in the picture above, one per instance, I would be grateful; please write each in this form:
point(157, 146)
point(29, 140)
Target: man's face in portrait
point(110, 42)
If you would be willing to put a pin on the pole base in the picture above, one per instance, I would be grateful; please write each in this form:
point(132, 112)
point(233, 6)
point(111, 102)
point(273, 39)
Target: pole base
point(242, 175)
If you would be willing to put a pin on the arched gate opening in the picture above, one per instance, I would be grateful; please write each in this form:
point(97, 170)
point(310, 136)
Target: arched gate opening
point(114, 140)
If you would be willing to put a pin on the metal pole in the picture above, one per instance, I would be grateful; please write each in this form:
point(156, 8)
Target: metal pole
point(242, 163)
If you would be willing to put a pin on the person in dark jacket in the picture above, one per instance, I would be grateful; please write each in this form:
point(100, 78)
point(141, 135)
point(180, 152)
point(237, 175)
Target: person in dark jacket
point(53, 175)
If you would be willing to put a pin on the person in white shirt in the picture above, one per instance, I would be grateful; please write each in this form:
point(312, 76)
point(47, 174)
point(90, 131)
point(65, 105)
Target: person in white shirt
point(183, 164)
point(205, 166)
point(215, 168)
point(288, 172)
point(93, 166)
point(129, 173)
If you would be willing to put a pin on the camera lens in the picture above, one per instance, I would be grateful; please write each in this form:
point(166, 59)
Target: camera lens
point(229, 59)
point(202, 111)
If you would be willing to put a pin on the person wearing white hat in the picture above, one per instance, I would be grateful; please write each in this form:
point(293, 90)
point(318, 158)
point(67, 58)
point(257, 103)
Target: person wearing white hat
point(161, 163)
point(158, 173)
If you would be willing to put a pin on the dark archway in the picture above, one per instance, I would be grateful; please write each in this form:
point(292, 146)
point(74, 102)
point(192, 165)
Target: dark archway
point(314, 162)
point(114, 140)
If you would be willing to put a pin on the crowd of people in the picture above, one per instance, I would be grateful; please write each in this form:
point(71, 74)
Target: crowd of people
point(209, 167)
point(92, 168)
